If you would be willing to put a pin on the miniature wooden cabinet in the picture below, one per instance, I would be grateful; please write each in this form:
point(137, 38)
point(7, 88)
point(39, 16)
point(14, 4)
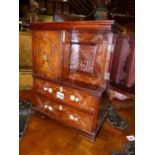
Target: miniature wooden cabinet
point(71, 62)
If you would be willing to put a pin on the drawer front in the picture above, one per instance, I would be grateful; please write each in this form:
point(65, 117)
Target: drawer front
point(70, 96)
point(65, 114)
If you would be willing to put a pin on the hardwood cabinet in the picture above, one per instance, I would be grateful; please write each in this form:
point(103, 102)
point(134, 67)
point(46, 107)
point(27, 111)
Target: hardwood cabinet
point(71, 63)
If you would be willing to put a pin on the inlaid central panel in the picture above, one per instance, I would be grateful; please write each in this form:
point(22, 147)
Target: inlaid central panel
point(82, 58)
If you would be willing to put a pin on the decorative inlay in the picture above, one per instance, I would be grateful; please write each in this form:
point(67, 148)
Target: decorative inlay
point(83, 58)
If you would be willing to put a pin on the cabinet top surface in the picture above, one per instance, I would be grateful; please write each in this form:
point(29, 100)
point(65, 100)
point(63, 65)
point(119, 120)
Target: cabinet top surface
point(85, 25)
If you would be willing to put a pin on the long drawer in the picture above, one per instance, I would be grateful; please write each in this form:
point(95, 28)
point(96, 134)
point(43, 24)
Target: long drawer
point(69, 96)
point(63, 113)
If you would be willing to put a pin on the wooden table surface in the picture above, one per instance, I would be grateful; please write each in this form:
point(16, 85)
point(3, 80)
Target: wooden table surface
point(48, 137)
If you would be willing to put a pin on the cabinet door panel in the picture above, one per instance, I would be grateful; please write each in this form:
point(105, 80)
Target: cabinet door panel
point(88, 57)
point(47, 54)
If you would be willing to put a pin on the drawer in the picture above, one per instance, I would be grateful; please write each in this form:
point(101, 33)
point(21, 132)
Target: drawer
point(65, 114)
point(69, 96)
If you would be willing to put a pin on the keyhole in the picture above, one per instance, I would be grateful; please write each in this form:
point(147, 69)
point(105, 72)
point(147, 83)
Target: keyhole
point(45, 57)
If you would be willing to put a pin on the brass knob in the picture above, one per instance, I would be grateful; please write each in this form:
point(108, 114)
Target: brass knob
point(72, 97)
point(75, 119)
point(50, 90)
point(50, 108)
point(46, 106)
point(71, 117)
point(61, 89)
point(45, 88)
point(60, 107)
point(77, 99)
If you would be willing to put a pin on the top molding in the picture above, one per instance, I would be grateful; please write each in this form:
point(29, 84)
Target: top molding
point(74, 25)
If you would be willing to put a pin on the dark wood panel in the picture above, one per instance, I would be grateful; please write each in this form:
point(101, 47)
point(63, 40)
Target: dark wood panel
point(89, 57)
point(47, 54)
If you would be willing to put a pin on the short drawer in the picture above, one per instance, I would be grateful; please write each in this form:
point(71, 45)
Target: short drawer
point(70, 96)
point(65, 114)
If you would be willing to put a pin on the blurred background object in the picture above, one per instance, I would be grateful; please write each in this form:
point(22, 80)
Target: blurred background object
point(34, 11)
point(25, 60)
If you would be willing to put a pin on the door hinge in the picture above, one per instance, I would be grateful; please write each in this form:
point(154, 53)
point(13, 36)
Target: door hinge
point(106, 76)
point(110, 48)
point(63, 36)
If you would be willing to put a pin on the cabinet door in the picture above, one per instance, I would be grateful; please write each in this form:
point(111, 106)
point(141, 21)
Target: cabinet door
point(87, 56)
point(47, 54)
